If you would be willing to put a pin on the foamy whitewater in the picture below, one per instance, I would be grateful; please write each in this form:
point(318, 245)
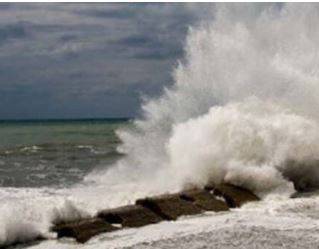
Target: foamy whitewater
point(243, 109)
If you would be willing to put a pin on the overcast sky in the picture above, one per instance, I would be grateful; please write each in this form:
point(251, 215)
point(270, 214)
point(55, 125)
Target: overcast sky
point(88, 60)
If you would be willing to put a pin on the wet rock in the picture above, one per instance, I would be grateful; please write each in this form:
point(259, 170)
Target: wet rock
point(305, 180)
point(204, 200)
point(130, 216)
point(83, 230)
point(155, 209)
point(234, 196)
point(23, 243)
point(170, 206)
point(305, 194)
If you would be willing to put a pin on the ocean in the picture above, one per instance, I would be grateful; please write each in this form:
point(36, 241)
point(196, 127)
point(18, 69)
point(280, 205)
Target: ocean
point(243, 110)
point(55, 153)
point(46, 168)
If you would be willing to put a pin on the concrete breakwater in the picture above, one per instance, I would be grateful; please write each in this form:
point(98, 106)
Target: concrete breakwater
point(151, 210)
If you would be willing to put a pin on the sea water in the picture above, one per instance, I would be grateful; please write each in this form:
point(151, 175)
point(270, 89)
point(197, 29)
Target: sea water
point(40, 161)
point(55, 153)
point(243, 109)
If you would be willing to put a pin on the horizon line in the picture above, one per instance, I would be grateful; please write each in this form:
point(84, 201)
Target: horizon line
point(62, 119)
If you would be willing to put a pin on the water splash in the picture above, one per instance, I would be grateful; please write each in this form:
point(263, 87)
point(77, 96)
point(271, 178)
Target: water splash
point(204, 128)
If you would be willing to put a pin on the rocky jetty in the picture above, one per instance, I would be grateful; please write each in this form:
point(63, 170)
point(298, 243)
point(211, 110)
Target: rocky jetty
point(205, 200)
point(170, 206)
point(129, 216)
point(155, 209)
point(83, 230)
point(234, 196)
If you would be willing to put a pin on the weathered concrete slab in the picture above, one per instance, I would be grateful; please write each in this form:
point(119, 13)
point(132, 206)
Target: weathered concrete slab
point(204, 200)
point(234, 196)
point(130, 216)
point(170, 206)
point(83, 230)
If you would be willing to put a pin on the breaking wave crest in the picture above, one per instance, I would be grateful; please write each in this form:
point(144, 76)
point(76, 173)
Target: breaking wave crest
point(253, 144)
point(243, 109)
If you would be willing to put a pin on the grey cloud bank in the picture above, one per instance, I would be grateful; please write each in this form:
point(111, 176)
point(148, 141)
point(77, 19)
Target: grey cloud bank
point(88, 60)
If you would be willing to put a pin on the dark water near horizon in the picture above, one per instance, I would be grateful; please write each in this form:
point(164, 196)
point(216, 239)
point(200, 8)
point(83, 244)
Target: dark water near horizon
point(55, 152)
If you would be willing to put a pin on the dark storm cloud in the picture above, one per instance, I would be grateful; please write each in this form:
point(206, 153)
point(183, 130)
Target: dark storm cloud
point(12, 31)
point(137, 40)
point(88, 60)
point(5, 5)
point(120, 13)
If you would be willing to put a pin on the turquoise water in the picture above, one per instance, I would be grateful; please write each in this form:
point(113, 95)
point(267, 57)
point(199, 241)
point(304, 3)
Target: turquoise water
point(55, 153)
